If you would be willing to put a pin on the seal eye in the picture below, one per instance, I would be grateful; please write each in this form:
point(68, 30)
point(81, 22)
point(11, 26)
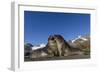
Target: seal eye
point(52, 38)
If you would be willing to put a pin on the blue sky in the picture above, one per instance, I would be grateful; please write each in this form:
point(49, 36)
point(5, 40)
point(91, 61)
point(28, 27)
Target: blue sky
point(39, 25)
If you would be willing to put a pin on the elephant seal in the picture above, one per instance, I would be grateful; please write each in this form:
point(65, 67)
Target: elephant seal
point(60, 47)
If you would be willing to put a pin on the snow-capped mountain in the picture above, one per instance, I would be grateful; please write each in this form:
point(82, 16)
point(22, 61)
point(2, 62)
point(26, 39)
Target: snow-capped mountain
point(38, 46)
point(82, 42)
point(82, 38)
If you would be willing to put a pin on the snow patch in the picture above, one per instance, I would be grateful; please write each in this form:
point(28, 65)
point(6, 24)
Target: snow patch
point(37, 47)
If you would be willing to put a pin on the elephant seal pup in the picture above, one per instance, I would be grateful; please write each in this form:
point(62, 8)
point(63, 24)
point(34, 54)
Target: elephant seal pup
point(52, 46)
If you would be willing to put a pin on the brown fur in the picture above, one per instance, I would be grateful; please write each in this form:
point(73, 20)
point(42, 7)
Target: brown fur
point(61, 48)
